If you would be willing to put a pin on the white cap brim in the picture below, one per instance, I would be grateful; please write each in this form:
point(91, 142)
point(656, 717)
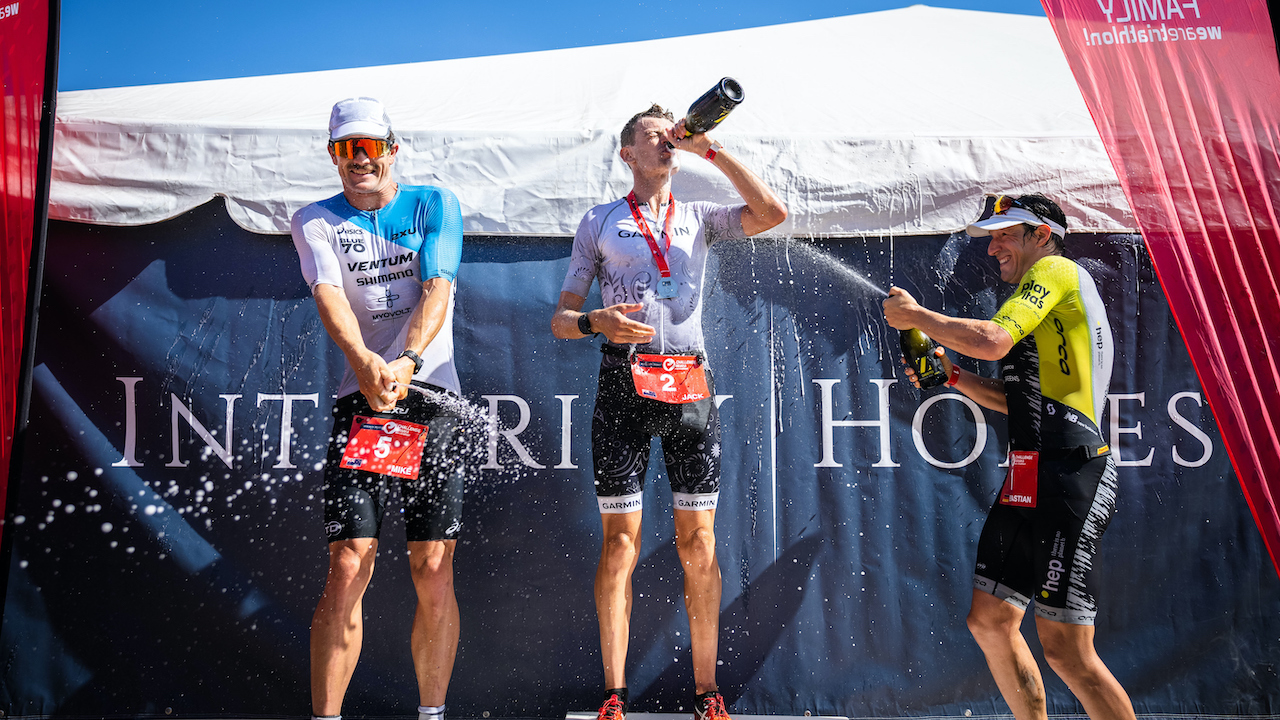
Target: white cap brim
point(1009, 218)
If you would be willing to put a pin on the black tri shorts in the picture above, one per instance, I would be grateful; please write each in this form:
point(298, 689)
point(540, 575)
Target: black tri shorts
point(355, 500)
point(624, 424)
point(1048, 553)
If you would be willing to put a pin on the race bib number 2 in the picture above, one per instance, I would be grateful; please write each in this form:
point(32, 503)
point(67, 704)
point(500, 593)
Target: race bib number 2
point(675, 379)
point(385, 447)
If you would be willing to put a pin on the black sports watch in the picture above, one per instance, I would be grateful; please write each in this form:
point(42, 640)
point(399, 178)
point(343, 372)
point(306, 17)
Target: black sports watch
point(584, 325)
point(417, 361)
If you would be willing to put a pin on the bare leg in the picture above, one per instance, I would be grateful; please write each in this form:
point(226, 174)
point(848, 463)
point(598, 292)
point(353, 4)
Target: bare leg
point(995, 624)
point(618, 556)
point(337, 628)
point(696, 545)
point(1070, 652)
point(435, 622)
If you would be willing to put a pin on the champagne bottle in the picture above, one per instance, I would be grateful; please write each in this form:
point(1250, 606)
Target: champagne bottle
point(918, 349)
point(715, 104)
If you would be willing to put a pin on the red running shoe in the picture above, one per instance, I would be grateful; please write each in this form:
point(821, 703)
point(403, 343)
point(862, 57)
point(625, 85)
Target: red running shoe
point(613, 709)
point(710, 706)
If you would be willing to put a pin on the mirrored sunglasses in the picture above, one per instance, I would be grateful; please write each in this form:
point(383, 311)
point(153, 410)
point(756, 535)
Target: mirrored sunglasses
point(372, 147)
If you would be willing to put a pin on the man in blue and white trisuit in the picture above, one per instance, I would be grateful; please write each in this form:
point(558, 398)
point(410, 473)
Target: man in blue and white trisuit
point(381, 259)
point(649, 253)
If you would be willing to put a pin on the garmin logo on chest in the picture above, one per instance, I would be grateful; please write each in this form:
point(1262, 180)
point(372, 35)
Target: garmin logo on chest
point(678, 232)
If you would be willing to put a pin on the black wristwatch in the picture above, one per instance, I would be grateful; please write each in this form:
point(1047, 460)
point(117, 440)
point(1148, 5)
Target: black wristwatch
point(584, 325)
point(417, 361)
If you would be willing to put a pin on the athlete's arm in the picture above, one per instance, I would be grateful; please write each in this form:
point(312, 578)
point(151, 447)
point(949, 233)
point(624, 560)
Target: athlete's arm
point(987, 392)
point(764, 208)
point(426, 321)
point(375, 377)
point(981, 339)
point(611, 321)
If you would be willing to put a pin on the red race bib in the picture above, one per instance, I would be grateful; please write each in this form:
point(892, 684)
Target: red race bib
point(385, 446)
point(1022, 482)
point(675, 379)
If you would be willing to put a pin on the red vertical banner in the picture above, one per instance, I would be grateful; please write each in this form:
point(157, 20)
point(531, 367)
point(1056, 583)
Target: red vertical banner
point(1186, 97)
point(24, 63)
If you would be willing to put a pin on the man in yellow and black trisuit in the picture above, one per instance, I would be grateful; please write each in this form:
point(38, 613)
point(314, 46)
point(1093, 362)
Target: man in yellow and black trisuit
point(1040, 538)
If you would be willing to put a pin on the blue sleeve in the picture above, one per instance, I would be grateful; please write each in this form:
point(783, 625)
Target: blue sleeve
point(442, 236)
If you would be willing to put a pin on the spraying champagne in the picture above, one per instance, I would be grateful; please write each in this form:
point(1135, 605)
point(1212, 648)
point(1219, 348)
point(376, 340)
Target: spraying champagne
point(918, 349)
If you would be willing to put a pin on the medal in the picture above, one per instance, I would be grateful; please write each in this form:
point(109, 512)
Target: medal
point(667, 288)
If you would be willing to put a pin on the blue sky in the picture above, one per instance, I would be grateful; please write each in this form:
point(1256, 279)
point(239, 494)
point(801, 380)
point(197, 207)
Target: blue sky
point(143, 42)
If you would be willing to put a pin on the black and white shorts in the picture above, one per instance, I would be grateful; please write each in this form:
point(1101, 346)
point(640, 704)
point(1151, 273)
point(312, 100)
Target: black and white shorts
point(622, 428)
point(1048, 553)
point(355, 500)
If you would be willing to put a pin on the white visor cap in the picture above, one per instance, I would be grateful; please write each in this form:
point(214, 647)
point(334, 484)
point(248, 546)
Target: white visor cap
point(359, 116)
point(1009, 218)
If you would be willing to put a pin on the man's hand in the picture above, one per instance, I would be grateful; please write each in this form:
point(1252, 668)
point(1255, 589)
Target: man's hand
point(697, 144)
point(946, 366)
point(377, 382)
point(620, 329)
point(900, 308)
point(402, 368)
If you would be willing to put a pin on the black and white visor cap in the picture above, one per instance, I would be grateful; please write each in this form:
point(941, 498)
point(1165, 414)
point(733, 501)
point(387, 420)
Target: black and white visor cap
point(1009, 218)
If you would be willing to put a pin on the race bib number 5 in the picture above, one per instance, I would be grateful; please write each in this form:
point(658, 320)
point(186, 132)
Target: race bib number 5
point(675, 379)
point(385, 446)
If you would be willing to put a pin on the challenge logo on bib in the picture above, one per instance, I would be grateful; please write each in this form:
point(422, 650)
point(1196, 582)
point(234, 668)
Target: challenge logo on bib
point(675, 379)
point(1022, 484)
point(385, 446)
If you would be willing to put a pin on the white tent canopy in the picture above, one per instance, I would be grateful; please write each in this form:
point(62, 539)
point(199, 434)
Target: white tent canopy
point(883, 123)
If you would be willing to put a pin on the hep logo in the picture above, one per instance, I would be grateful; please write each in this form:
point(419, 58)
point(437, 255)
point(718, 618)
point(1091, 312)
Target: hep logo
point(668, 364)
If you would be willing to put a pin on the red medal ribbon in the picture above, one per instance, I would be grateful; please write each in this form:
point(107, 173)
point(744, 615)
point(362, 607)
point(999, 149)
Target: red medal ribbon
point(659, 256)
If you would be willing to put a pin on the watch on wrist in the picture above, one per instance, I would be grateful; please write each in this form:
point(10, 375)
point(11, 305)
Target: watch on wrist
point(417, 361)
point(584, 325)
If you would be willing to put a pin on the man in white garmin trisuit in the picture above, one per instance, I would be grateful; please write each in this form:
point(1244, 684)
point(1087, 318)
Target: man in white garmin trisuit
point(649, 253)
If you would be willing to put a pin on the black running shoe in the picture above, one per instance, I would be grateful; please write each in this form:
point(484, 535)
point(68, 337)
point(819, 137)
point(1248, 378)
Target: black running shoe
point(710, 706)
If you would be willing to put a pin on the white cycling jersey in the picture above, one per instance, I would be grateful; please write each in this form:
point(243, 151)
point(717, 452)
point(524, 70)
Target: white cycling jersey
point(380, 259)
point(610, 247)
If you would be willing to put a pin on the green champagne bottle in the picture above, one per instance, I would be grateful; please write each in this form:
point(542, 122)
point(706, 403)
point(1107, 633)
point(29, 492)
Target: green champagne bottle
point(918, 349)
point(714, 106)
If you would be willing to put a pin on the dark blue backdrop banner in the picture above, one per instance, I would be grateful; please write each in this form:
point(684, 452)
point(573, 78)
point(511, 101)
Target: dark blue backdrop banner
point(168, 548)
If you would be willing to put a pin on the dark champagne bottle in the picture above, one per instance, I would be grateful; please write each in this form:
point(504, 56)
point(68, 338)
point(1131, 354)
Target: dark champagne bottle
point(918, 349)
point(715, 104)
